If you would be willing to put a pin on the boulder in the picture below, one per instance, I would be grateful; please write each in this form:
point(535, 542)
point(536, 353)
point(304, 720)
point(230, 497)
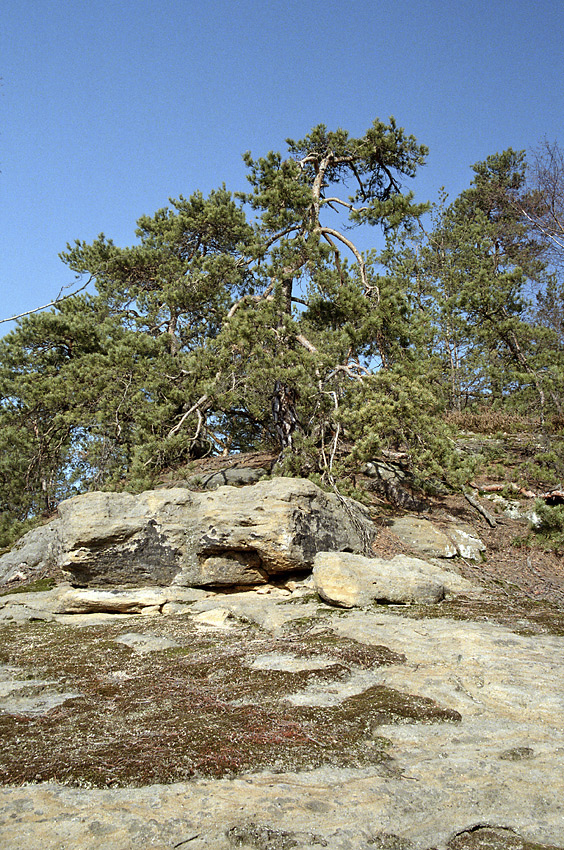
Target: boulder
point(468, 544)
point(424, 537)
point(227, 537)
point(245, 536)
point(242, 476)
point(35, 551)
point(119, 539)
point(349, 580)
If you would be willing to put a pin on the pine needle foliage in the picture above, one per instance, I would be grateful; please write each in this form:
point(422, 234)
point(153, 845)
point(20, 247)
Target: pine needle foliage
point(177, 351)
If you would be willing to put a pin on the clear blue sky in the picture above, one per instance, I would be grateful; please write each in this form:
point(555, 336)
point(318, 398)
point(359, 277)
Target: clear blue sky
point(109, 107)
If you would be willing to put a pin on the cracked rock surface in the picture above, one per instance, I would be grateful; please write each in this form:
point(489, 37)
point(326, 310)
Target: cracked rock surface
point(464, 714)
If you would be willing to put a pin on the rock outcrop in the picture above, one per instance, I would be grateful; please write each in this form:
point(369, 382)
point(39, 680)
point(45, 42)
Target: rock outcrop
point(470, 713)
point(351, 581)
point(35, 551)
point(228, 537)
point(432, 542)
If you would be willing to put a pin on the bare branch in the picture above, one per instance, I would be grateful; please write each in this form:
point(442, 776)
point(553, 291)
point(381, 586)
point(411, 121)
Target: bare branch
point(349, 371)
point(264, 296)
point(57, 300)
point(331, 201)
point(536, 222)
point(352, 247)
point(194, 408)
point(306, 344)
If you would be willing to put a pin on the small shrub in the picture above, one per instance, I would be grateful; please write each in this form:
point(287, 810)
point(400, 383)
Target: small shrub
point(550, 528)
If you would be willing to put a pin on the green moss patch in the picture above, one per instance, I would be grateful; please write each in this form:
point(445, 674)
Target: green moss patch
point(37, 586)
point(199, 710)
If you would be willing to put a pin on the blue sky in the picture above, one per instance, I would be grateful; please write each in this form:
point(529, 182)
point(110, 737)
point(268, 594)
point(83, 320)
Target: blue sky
point(110, 107)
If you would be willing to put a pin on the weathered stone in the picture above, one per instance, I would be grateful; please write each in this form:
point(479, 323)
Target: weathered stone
point(23, 607)
point(501, 764)
point(142, 643)
point(468, 544)
point(37, 704)
point(235, 477)
point(64, 599)
point(291, 663)
point(90, 601)
point(36, 550)
point(227, 537)
point(515, 509)
point(424, 537)
point(216, 617)
point(351, 580)
point(274, 527)
point(121, 539)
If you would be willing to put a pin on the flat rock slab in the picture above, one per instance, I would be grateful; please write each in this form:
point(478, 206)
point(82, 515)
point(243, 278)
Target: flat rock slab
point(29, 697)
point(217, 618)
point(142, 643)
point(320, 695)
point(33, 706)
point(291, 663)
point(423, 536)
point(65, 600)
point(501, 765)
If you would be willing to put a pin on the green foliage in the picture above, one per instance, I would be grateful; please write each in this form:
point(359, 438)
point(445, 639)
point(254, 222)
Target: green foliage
point(550, 528)
point(470, 278)
point(177, 352)
point(394, 412)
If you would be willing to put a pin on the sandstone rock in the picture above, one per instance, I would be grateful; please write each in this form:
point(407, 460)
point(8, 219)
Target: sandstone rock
point(223, 538)
point(468, 544)
point(501, 764)
point(350, 581)
point(23, 607)
point(274, 527)
point(118, 601)
point(142, 643)
point(121, 539)
point(291, 663)
point(66, 600)
point(28, 696)
point(36, 550)
point(87, 601)
point(24, 613)
point(216, 617)
point(424, 537)
point(235, 477)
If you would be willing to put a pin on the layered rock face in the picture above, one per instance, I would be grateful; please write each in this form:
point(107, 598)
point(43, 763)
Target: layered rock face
point(222, 538)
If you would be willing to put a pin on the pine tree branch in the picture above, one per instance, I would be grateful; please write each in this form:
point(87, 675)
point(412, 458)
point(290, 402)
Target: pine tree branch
point(57, 300)
point(352, 247)
point(265, 296)
point(306, 344)
point(193, 409)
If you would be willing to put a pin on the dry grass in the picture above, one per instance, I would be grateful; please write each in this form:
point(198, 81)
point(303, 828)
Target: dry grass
point(487, 420)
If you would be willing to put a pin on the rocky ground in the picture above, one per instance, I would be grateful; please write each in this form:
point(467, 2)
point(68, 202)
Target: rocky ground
point(268, 719)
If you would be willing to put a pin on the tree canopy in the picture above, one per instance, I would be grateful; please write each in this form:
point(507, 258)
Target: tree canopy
point(177, 351)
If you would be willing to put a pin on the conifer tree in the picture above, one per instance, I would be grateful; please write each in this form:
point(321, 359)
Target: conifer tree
point(179, 349)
